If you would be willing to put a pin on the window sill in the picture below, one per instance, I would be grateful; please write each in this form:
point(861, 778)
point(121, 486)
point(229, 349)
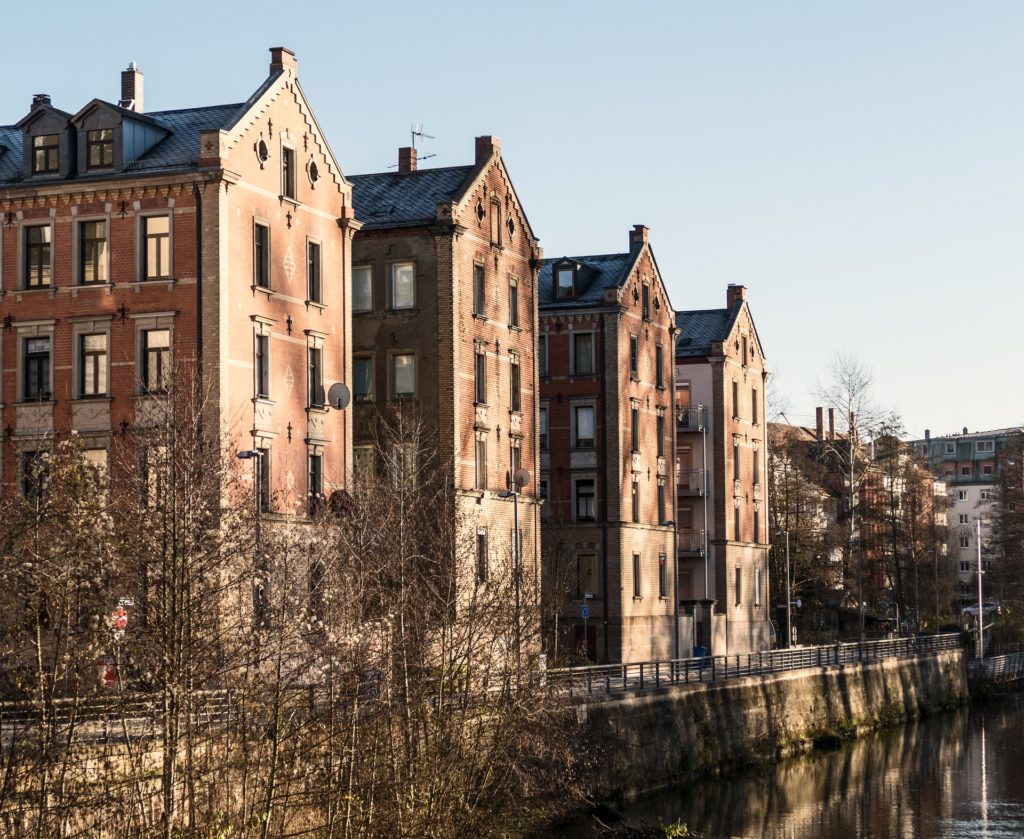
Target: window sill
point(637, 598)
point(138, 285)
point(269, 292)
point(515, 327)
point(50, 402)
point(659, 387)
point(363, 399)
point(479, 316)
point(317, 409)
point(93, 397)
point(403, 397)
point(581, 447)
point(633, 378)
point(288, 199)
point(151, 394)
point(105, 286)
point(410, 310)
point(48, 290)
point(263, 400)
point(315, 304)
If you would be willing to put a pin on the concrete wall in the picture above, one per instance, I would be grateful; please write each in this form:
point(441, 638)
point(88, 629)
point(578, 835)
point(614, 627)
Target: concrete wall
point(662, 737)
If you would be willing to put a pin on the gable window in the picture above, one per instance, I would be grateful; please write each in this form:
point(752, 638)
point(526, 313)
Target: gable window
point(659, 366)
point(316, 377)
point(362, 378)
point(478, 290)
point(496, 223)
point(288, 172)
point(92, 362)
point(403, 375)
point(262, 366)
point(362, 289)
point(45, 154)
point(480, 376)
point(583, 353)
point(314, 291)
point(584, 426)
point(403, 285)
point(481, 554)
point(565, 281)
point(92, 257)
point(735, 400)
point(586, 501)
point(646, 301)
point(156, 239)
point(38, 266)
point(156, 360)
point(261, 256)
point(634, 357)
point(99, 144)
point(36, 382)
point(513, 304)
point(516, 389)
point(542, 354)
point(543, 423)
point(481, 461)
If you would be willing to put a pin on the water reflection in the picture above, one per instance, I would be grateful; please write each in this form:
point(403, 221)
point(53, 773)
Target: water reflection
point(956, 775)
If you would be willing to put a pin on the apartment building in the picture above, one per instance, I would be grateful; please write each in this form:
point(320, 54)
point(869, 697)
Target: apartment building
point(605, 343)
point(721, 476)
point(210, 241)
point(444, 302)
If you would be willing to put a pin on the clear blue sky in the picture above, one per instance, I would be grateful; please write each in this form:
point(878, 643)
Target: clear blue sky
point(858, 165)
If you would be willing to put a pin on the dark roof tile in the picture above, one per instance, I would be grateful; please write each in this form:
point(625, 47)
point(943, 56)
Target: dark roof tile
point(699, 329)
point(598, 272)
point(390, 199)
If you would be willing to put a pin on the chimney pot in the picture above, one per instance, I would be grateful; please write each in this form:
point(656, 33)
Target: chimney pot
point(735, 293)
point(639, 234)
point(486, 146)
point(131, 88)
point(406, 160)
point(282, 58)
point(41, 99)
point(819, 415)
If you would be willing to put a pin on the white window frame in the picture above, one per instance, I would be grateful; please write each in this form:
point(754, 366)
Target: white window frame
point(80, 328)
point(391, 375)
point(141, 220)
point(392, 279)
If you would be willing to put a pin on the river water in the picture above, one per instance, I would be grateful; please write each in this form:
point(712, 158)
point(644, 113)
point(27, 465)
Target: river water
point(959, 774)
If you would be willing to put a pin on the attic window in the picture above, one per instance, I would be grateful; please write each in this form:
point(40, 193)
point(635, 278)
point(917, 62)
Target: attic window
point(511, 225)
point(45, 154)
point(262, 152)
point(480, 211)
point(565, 281)
point(100, 148)
point(313, 171)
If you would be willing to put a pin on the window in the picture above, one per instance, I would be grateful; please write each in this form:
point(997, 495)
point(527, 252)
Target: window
point(362, 289)
point(964, 518)
point(565, 282)
point(314, 291)
point(38, 268)
point(92, 361)
point(481, 461)
point(586, 575)
point(735, 459)
point(586, 501)
point(403, 285)
point(543, 423)
point(542, 354)
point(516, 384)
point(634, 426)
point(496, 223)
point(986, 469)
point(662, 582)
point(99, 145)
point(481, 554)
point(513, 304)
point(403, 375)
point(738, 585)
point(637, 588)
point(965, 541)
point(746, 353)
point(634, 357)
point(985, 446)
point(965, 567)
point(480, 376)
point(986, 495)
point(262, 366)
point(735, 400)
point(950, 447)
point(316, 481)
point(584, 426)
point(753, 406)
point(33, 475)
point(635, 497)
point(36, 383)
point(92, 254)
point(661, 502)
point(316, 377)
point(736, 524)
point(646, 302)
point(661, 435)
point(288, 172)
point(965, 471)
point(756, 465)
point(514, 457)
point(757, 586)
point(583, 354)
point(45, 154)
point(154, 473)
point(478, 290)
point(156, 360)
point(757, 525)
point(362, 463)
point(362, 378)
point(156, 237)
point(659, 366)
point(961, 494)
point(261, 256)
point(263, 494)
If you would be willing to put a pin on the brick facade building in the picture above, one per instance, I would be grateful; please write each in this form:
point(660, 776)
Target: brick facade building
point(606, 338)
point(722, 482)
point(445, 319)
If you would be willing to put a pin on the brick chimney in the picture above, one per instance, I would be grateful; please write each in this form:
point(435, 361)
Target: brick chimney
point(831, 424)
point(639, 235)
point(927, 434)
point(131, 89)
point(282, 58)
point(406, 160)
point(735, 293)
point(819, 414)
point(485, 146)
point(41, 99)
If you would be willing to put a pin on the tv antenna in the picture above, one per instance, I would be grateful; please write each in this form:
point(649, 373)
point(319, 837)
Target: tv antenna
point(417, 131)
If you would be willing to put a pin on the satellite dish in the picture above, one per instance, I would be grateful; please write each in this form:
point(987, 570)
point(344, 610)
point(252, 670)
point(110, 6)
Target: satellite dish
point(521, 477)
point(339, 396)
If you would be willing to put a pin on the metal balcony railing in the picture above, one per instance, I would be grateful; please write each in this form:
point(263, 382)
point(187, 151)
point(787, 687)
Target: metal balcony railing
point(691, 419)
point(690, 481)
point(691, 542)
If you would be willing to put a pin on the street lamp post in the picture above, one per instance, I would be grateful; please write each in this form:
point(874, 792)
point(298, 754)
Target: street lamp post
point(675, 586)
point(981, 605)
point(789, 599)
point(257, 468)
point(514, 483)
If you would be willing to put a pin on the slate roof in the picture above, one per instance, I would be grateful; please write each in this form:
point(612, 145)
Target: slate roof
point(178, 150)
point(598, 272)
point(390, 199)
point(700, 328)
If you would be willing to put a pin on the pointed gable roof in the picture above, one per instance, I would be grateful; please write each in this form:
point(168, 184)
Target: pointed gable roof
point(700, 329)
point(595, 274)
point(393, 199)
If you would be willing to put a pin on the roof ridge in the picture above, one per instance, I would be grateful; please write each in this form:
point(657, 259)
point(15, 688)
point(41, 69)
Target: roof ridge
point(197, 108)
point(417, 172)
point(587, 256)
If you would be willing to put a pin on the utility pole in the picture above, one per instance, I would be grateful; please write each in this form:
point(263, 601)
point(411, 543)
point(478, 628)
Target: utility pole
point(981, 605)
point(789, 601)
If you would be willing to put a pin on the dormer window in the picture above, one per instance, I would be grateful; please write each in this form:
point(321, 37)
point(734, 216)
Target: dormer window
point(565, 281)
point(46, 154)
point(100, 148)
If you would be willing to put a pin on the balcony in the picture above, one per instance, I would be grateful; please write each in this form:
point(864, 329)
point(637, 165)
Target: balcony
point(691, 543)
point(691, 419)
point(690, 482)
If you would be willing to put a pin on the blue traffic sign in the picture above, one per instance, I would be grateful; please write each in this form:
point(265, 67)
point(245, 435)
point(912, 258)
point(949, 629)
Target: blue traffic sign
point(586, 612)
